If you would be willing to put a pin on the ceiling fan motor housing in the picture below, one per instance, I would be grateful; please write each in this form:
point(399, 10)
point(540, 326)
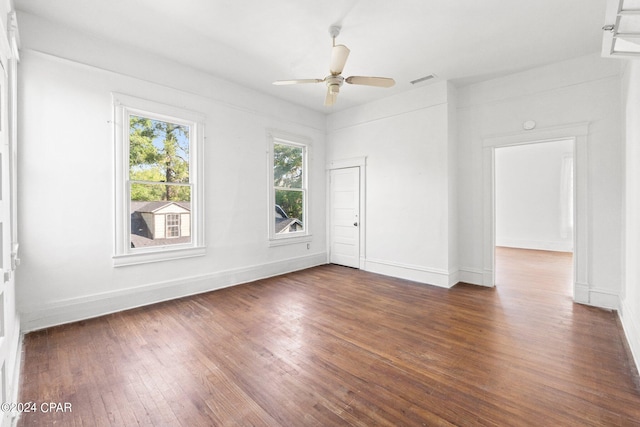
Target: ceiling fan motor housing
point(334, 83)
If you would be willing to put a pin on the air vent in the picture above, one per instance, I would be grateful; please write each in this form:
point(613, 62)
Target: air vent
point(423, 79)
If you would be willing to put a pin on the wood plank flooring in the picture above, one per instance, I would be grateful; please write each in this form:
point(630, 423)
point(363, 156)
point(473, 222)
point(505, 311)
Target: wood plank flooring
point(334, 346)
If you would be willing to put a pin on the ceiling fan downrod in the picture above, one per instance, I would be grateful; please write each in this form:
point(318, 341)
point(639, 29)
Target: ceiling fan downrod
point(334, 31)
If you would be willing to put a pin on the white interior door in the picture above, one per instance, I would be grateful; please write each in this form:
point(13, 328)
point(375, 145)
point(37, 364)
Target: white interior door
point(344, 239)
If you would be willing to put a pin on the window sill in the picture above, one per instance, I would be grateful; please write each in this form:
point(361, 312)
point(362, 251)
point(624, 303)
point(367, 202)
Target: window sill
point(282, 241)
point(156, 256)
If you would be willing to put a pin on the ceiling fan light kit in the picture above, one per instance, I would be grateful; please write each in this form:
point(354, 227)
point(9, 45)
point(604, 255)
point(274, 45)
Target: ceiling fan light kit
point(339, 55)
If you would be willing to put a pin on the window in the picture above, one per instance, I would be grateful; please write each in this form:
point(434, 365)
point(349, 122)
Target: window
point(288, 203)
point(158, 182)
point(173, 225)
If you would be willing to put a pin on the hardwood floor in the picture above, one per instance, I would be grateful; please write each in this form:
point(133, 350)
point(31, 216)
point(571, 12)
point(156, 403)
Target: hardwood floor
point(337, 346)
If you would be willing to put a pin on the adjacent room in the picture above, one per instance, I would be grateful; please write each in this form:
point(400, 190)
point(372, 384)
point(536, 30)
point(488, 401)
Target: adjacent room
point(353, 212)
point(534, 209)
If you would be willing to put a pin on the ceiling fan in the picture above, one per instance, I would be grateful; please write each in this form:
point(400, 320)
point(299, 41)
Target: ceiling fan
point(339, 55)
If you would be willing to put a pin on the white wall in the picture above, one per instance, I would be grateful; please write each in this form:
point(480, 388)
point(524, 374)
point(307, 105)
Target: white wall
point(407, 141)
point(66, 179)
point(532, 207)
point(630, 293)
point(585, 89)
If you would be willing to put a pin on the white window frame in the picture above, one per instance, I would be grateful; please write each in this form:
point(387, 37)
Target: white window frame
point(278, 137)
point(123, 107)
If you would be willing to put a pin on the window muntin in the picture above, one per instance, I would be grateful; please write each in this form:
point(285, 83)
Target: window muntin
point(158, 172)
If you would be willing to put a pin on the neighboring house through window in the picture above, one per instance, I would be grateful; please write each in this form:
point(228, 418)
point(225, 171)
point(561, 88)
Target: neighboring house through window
point(158, 181)
point(152, 222)
point(288, 208)
point(284, 224)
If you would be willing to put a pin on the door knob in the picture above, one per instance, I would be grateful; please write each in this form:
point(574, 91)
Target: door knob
point(355, 224)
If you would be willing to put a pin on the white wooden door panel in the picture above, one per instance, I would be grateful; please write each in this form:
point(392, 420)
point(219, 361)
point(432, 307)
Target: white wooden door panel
point(345, 217)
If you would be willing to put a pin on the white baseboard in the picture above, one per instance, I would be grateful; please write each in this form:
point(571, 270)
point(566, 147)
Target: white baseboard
point(435, 277)
point(473, 276)
point(454, 277)
point(556, 246)
point(75, 309)
point(488, 278)
point(631, 326)
point(603, 298)
point(581, 293)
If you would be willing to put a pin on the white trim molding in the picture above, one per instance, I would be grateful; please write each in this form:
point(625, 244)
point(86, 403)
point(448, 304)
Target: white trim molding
point(578, 132)
point(416, 273)
point(597, 297)
point(347, 163)
point(541, 245)
point(603, 298)
point(581, 292)
point(473, 276)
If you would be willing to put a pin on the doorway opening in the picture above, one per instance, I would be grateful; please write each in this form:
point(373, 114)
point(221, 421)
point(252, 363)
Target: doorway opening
point(534, 216)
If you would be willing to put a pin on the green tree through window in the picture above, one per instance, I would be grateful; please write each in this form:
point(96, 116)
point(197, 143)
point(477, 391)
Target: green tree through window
point(158, 153)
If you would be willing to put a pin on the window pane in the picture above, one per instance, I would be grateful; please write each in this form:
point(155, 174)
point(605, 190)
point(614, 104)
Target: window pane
point(158, 150)
point(289, 211)
point(160, 214)
point(173, 225)
point(287, 166)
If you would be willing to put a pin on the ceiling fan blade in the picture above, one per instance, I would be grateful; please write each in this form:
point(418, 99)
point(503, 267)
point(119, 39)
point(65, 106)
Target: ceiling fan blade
point(339, 55)
point(296, 81)
point(330, 99)
point(370, 81)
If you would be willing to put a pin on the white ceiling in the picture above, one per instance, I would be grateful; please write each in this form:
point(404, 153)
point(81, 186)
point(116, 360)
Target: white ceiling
point(254, 42)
